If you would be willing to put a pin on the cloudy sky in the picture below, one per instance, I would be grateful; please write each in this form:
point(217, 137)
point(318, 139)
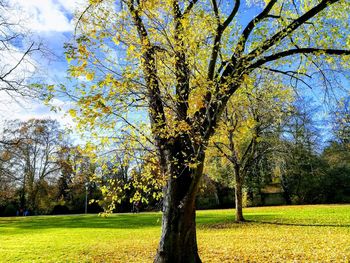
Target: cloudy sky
point(49, 22)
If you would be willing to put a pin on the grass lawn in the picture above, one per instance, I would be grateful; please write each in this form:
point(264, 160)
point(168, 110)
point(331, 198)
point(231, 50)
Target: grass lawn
point(318, 233)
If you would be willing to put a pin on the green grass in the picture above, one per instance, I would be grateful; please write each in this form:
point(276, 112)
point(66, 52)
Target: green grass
point(274, 234)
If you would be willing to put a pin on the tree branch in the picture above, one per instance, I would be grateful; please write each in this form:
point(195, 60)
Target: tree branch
point(250, 27)
point(232, 14)
point(29, 50)
point(189, 7)
point(81, 17)
point(220, 30)
point(217, 146)
point(289, 29)
point(182, 71)
point(157, 113)
point(291, 52)
point(291, 74)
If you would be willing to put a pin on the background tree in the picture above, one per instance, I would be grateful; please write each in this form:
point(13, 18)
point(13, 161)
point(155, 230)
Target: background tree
point(150, 55)
point(300, 172)
point(7, 185)
point(251, 119)
point(73, 185)
point(341, 121)
point(126, 181)
point(337, 156)
point(335, 186)
point(31, 152)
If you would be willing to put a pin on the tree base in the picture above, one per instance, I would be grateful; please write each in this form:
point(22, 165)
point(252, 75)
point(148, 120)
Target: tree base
point(182, 258)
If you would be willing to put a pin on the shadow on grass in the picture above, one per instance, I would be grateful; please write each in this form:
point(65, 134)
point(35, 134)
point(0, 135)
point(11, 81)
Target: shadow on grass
point(205, 220)
point(297, 220)
point(266, 219)
point(114, 221)
point(233, 224)
point(297, 224)
point(22, 225)
point(117, 221)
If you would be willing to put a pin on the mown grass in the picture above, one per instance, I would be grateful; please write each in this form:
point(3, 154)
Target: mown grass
point(273, 234)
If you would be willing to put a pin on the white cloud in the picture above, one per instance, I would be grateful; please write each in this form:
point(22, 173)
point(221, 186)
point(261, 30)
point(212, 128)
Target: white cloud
point(45, 15)
point(71, 5)
point(26, 108)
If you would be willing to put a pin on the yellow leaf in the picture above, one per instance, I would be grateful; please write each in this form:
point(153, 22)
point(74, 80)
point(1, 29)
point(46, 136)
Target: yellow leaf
point(90, 76)
point(72, 113)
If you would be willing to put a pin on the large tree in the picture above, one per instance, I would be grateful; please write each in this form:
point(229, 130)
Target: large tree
point(182, 61)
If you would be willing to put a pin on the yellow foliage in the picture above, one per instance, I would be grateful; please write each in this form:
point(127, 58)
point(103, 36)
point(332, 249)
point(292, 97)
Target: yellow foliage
point(90, 76)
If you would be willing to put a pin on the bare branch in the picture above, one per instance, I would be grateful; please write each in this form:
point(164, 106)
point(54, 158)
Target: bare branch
point(80, 18)
point(232, 14)
point(220, 29)
point(189, 7)
point(291, 74)
point(29, 50)
point(250, 27)
point(291, 52)
point(182, 72)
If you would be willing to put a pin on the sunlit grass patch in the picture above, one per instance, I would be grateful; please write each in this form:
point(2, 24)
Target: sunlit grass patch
point(272, 234)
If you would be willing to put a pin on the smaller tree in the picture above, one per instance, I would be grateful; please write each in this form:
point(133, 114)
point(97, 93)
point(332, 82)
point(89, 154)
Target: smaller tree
point(337, 155)
point(127, 175)
point(336, 183)
point(7, 186)
point(251, 118)
point(73, 186)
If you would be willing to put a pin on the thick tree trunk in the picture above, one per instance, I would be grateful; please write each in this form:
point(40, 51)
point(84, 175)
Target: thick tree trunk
point(178, 243)
point(238, 197)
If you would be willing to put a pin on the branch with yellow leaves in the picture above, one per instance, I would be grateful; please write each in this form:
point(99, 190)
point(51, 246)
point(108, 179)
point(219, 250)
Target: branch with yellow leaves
point(288, 30)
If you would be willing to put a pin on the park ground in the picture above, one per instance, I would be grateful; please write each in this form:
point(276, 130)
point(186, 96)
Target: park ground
point(319, 233)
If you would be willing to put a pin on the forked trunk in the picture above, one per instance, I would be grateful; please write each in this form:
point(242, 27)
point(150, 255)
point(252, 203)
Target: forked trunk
point(238, 197)
point(178, 243)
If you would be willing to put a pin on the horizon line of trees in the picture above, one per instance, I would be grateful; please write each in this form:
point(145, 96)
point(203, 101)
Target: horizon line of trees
point(41, 171)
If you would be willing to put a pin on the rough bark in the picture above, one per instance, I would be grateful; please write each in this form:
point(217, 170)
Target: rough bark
point(178, 243)
point(238, 197)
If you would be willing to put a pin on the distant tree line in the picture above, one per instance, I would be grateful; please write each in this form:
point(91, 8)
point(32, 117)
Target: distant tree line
point(42, 172)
